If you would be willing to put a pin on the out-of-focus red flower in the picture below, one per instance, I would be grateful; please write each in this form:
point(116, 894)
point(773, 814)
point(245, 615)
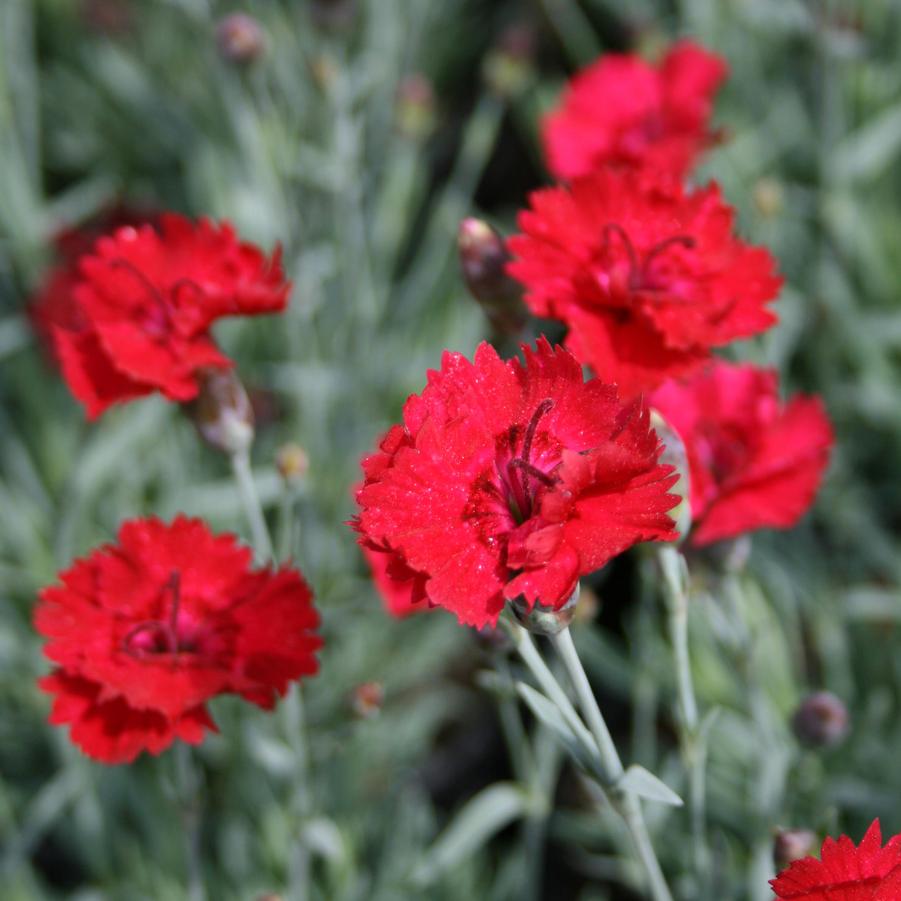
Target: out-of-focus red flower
point(53, 303)
point(647, 275)
point(145, 300)
point(509, 479)
point(402, 589)
point(624, 112)
point(867, 872)
point(146, 631)
point(753, 462)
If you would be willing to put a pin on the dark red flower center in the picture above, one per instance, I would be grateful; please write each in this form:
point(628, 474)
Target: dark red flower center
point(176, 633)
point(526, 460)
point(157, 308)
point(631, 271)
point(520, 474)
point(723, 449)
point(647, 130)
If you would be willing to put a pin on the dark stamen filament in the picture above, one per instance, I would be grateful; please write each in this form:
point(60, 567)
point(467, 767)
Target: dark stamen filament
point(616, 229)
point(148, 285)
point(534, 471)
point(639, 272)
point(682, 240)
point(169, 629)
point(187, 283)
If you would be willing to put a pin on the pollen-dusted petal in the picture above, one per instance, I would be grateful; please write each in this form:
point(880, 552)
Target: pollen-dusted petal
point(480, 495)
point(754, 463)
point(146, 631)
point(622, 111)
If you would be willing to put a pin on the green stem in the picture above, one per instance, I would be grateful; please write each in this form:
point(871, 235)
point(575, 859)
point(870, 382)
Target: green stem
point(286, 535)
point(296, 728)
point(240, 461)
point(674, 571)
point(188, 792)
point(546, 679)
point(630, 805)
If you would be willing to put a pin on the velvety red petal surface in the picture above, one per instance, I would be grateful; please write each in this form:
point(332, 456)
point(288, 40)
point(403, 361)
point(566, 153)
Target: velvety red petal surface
point(754, 463)
point(646, 275)
point(145, 631)
point(141, 303)
point(845, 872)
point(622, 111)
point(402, 589)
point(513, 478)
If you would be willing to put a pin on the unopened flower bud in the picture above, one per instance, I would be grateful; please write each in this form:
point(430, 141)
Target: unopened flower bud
point(790, 845)
point(240, 38)
point(821, 720)
point(222, 412)
point(508, 67)
point(768, 199)
point(334, 13)
point(108, 17)
point(415, 107)
point(292, 462)
point(542, 620)
point(674, 454)
point(368, 699)
point(483, 261)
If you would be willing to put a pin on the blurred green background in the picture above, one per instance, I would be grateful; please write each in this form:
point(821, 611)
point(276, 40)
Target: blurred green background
point(358, 139)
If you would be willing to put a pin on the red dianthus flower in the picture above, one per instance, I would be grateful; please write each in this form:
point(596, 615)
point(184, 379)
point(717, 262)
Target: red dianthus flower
point(646, 275)
point(53, 305)
point(145, 301)
point(625, 112)
point(144, 632)
point(867, 872)
point(510, 479)
point(753, 462)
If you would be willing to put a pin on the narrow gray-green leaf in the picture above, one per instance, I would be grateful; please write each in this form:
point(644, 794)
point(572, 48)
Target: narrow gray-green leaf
point(645, 784)
point(476, 822)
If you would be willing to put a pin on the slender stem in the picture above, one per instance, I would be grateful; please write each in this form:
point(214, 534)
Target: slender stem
point(546, 679)
point(240, 461)
point(630, 806)
point(673, 566)
point(526, 772)
point(187, 789)
point(286, 534)
point(299, 873)
point(299, 867)
point(563, 642)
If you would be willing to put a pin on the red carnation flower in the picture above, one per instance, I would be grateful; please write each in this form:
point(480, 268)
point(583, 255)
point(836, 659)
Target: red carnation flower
point(146, 299)
point(510, 480)
point(53, 304)
point(844, 872)
point(146, 631)
point(624, 112)
point(648, 276)
point(753, 462)
point(401, 588)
